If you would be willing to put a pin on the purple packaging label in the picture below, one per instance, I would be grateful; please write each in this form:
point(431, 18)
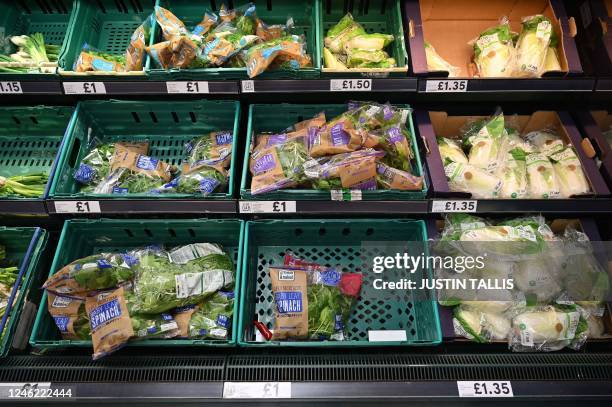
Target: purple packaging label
point(208, 185)
point(144, 162)
point(381, 169)
point(62, 323)
point(367, 185)
point(387, 112)
point(276, 139)
point(224, 138)
point(395, 135)
point(313, 133)
point(264, 163)
point(227, 294)
point(339, 136)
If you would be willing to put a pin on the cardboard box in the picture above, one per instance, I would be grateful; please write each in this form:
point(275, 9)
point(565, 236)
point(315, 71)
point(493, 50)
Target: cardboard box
point(593, 124)
point(448, 25)
point(432, 124)
point(587, 225)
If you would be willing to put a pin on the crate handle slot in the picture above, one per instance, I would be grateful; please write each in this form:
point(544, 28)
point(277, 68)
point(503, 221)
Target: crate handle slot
point(74, 154)
point(101, 6)
point(128, 232)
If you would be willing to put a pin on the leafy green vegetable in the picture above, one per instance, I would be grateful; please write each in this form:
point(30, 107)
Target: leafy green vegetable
point(95, 166)
point(28, 186)
point(213, 317)
point(204, 181)
point(325, 302)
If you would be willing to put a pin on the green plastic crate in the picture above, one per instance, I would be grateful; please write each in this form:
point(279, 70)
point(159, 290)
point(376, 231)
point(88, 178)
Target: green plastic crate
point(276, 118)
point(81, 238)
point(30, 140)
point(305, 15)
point(334, 243)
point(167, 125)
point(376, 16)
point(105, 25)
point(25, 246)
point(49, 17)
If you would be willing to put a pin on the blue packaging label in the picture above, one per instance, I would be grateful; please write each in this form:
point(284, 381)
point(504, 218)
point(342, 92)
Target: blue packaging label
point(103, 264)
point(185, 308)
point(118, 190)
point(338, 326)
point(227, 294)
point(129, 259)
point(223, 320)
point(84, 174)
point(166, 317)
point(104, 313)
point(288, 302)
point(62, 323)
point(151, 330)
point(144, 162)
point(330, 277)
point(224, 138)
point(208, 185)
point(102, 65)
point(264, 163)
point(202, 332)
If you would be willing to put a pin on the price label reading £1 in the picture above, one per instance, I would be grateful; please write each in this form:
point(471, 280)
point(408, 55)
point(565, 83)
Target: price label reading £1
point(439, 206)
point(187, 87)
point(257, 390)
point(350, 85)
point(84, 88)
point(77, 206)
point(267, 206)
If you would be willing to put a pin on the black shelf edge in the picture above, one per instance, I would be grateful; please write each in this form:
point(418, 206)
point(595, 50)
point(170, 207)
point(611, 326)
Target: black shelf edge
point(347, 207)
point(603, 85)
point(23, 207)
point(544, 206)
point(32, 87)
point(325, 85)
point(150, 88)
point(150, 206)
point(567, 85)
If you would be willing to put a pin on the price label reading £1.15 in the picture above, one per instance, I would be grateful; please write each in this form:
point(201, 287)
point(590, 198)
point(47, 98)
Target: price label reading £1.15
point(485, 389)
point(350, 85)
point(10, 88)
point(439, 206)
point(446, 85)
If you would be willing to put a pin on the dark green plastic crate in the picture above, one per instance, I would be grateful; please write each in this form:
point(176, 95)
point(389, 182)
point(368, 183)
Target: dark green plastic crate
point(30, 140)
point(81, 238)
point(106, 25)
point(376, 16)
point(24, 246)
point(276, 118)
point(167, 125)
point(49, 17)
point(334, 243)
point(305, 16)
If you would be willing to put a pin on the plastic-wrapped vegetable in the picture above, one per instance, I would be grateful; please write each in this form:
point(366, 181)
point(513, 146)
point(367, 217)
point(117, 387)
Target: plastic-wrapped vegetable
point(546, 141)
point(467, 178)
point(532, 46)
point(485, 140)
point(359, 58)
point(480, 326)
point(391, 178)
point(95, 272)
point(214, 148)
point(552, 60)
point(345, 30)
point(541, 175)
point(494, 52)
point(513, 173)
point(368, 42)
point(336, 137)
point(218, 50)
point(69, 316)
point(202, 179)
point(537, 280)
point(355, 170)
point(211, 319)
point(393, 140)
point(181, 276)
point(279, 166)
point(170, 25)
point(569, 174)
point(451, 151)
point(270, 32)
point(331, 61)
point(91, 59)
point(436, 63)
point(290, 48)
point(544, 328)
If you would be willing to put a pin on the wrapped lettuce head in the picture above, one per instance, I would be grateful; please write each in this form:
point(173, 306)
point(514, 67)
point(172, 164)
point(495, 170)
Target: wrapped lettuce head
point(544, 328)
point(360, 58)
point(368, 42)
point(331, 61)
point(494, 53)
point(513, 173)
point(467, 178)
point(484, 139)
point(532, 46)
point(480, 326)
point(541, 176)
point(436, 63)
point(536, 279)
point(569, 174)
point(546, 141)
point(346, 29)
point(451, 151)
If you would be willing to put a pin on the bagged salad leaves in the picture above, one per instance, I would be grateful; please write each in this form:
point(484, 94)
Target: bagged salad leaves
point(202, 180)
point(533, 45)
point(288, 52)
point(311, 301)
point(391, 178)
point(355, 170)
point(209, 319)
point(91, 59)
point(180, 276)
point(494, 53)
point(135, 173)
point(336, 137)
point(212, 149)
point(69, 316)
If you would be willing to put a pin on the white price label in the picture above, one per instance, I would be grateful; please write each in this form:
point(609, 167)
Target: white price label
point(267, 207)
point(248, 86)
point(387, 336)
point(438, 206)
point(33, 391)
point(350, 85)
point(446, 85)
point(187, 87)
point(356, 195)
point(257, 390)
point(336, 195)
point(10, 88)
point(77, 207)
point(84, 88)
point(485, 389)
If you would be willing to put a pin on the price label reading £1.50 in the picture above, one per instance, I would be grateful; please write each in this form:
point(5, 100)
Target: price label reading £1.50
point(485, 389)
point(350, 85)
point(439, 206)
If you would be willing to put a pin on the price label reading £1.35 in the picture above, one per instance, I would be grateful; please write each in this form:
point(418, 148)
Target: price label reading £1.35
point(439, 206)
point(446, 85)
point(350, 85)
point(485, 389)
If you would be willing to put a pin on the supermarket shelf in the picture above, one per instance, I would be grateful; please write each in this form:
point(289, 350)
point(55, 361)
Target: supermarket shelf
point(333, 207)
point(330, 85)
point(22, 207)
point(565, 85)
point(590, 206)
point(604, 85)
point(8, 87)
point(141, 206)
point(83, 87)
